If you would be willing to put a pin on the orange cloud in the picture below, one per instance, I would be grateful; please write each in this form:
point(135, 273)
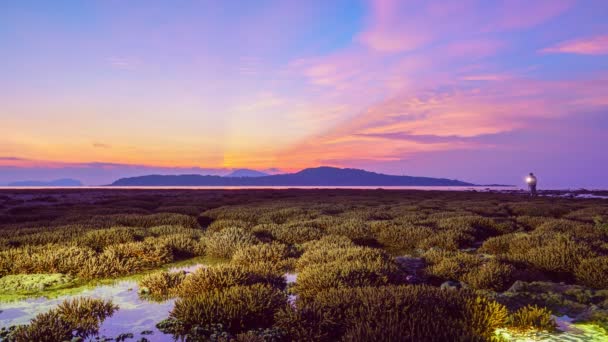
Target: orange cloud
point(101, 145)
point(597, 45)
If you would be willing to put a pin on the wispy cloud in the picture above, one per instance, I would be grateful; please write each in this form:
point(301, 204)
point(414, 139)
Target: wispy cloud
point(522, 14)
point(597, 45)
point(444, 119)
point(11, 158)
point(427, 22)
point(101, 145)
point(486, 77)
point(92, 173)
point(123, 63)
point(473, 48)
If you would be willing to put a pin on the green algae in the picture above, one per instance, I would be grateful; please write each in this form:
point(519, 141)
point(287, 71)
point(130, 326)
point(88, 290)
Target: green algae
point(573, 332)
point(17, 286)
point(23, 286)
point(583, 304)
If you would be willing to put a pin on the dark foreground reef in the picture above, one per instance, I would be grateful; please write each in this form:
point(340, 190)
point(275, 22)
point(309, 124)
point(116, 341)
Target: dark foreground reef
point(321, 176)
point(371, 265)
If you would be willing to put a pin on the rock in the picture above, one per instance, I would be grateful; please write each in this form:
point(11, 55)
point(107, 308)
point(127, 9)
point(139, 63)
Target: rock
point(517, 286)
point(468, 250)
point(412, 280)
point(452, 285)
point(123, 337)
point(410, 265)
point(147, 332)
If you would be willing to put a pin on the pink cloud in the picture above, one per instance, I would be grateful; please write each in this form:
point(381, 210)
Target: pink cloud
point(473, 48)
point(337, 70)
point(398, 26)
point(520, 14)
point(486, 77)
point(124, 63)
point(445, 119)
point(597, 45)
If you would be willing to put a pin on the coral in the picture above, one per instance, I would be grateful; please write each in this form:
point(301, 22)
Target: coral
point(411, 313)
point(492, 275)
point(532, 317)
point(225, 243)
point(76, 317)
point(593, 272)
point(237, 308)
point(274, 253)
point(161, 285)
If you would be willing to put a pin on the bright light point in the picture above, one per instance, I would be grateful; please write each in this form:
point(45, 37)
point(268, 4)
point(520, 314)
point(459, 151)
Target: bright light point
point(528, 179)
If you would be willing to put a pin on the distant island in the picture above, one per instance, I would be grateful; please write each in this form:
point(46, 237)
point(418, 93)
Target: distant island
point(246, 173)
point(57, 182)
point(320, 176)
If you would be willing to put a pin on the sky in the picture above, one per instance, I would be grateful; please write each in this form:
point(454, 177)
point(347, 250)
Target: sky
point(478, 90)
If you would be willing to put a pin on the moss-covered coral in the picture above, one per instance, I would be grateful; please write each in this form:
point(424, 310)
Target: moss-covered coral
point(324, 268)
point(224, 243)
point(32, 283)
point(411, 313)
point(161, 285)
point(223, 276)
point(336, 241)
point(274, 253)
point(581, 303)
point(78, 317)
point(237, 308)
point(532, 317)
point(593, 272)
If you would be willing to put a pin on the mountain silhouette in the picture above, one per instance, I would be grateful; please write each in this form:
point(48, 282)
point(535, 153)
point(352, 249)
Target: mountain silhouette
point(246, 173)
point(320, 176)
point(57, 182)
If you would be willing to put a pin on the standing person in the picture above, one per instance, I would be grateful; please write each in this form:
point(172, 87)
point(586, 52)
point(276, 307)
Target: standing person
point(531, 180)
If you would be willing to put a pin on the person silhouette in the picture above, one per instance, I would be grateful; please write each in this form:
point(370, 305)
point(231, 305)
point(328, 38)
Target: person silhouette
point(531, 180)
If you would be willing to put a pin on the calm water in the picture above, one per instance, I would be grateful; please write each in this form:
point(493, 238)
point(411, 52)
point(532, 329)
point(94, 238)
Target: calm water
point(134, 314)
point(429, 188)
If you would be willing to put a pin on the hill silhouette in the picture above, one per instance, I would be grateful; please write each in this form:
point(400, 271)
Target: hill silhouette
point(320, 176)
point(57, 182)
point(246, 173)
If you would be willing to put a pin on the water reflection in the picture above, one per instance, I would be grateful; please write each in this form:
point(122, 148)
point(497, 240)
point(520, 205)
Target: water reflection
point(135, 314)
point(569, 331)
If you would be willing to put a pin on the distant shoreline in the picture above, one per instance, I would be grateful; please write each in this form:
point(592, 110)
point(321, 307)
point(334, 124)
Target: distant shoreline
point(494, 188)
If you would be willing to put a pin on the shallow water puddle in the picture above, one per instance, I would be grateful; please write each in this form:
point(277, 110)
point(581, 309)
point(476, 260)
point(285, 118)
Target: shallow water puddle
point(575, 332)
point(135, 315)
point(290, 278)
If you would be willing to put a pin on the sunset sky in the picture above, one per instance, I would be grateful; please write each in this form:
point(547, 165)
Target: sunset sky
point(483, 91)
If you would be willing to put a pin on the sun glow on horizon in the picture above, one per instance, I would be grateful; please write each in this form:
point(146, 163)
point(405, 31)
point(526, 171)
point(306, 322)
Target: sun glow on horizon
point(383, 85)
